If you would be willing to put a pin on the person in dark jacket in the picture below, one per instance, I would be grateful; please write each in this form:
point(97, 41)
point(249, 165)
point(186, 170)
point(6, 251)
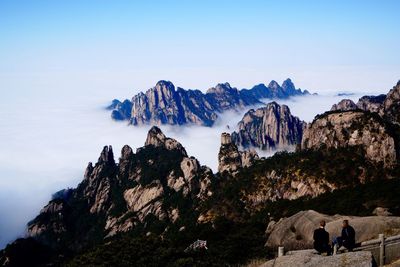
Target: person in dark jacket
point(348, 237)
point(321, 239)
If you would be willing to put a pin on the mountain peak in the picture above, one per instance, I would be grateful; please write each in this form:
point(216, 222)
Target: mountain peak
point(273, 85)
point(106, 155)
point(288, 85)
point(268, 128)
point(165, 84)
point(157, 138)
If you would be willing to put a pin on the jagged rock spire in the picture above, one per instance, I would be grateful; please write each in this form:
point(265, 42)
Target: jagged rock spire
point(157, 138)
point(126, 152)
point(230, 159)
point(107, 155)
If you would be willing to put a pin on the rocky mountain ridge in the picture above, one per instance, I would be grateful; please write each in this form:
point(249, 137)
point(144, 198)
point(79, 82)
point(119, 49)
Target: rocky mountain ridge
point(387, 106)
point(372, 123)
point(269, 128)
point(163, 104)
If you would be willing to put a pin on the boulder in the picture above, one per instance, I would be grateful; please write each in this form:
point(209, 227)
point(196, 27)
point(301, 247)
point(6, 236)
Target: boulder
point(296, 232)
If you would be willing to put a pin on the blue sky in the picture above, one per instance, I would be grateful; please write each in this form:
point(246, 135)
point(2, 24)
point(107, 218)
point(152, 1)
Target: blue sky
point(61, 62)
point(131, 44)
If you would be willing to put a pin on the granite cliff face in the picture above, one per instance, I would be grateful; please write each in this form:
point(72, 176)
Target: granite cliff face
point(353, 128)
point(163, 104)
point(230, 159)
point(268, 128)
point(391, 105)
point(115, 198)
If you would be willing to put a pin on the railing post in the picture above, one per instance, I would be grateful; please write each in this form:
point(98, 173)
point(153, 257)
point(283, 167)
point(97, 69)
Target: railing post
point(281, 251)
point(381, 250)
point(335, 249)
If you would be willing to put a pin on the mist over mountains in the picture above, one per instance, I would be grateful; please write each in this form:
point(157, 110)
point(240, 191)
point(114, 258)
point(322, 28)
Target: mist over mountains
point(63, 131)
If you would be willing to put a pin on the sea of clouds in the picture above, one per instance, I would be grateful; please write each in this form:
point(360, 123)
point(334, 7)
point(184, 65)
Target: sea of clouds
point(49, 136)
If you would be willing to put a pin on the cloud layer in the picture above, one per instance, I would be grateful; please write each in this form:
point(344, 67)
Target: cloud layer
point(48, 137)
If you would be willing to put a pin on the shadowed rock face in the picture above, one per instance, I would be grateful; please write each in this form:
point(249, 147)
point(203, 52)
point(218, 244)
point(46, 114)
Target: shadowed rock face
point(269, 128)
point(163, 104)
point(309, 258)
point(353, 128)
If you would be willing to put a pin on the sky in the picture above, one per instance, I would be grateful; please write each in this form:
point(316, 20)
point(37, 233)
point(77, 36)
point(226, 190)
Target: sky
point(62, 62)
point(322, 45)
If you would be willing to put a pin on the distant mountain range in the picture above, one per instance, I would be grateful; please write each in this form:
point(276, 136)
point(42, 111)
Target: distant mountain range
point(165, 104)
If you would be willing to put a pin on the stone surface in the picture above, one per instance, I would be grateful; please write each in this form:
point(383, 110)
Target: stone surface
point(268, 128)
point(230, 159)
point(309, 258)
point(353, 128)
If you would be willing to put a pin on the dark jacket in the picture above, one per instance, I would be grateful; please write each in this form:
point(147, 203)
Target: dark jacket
point(321, 240)
point(348, 237)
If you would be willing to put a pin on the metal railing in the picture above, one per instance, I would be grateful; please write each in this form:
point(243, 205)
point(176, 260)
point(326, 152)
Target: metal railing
point(385, 250)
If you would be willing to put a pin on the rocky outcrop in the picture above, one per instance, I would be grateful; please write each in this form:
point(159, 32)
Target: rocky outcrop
point(344, 105)
point(309, 258)
point(114, 198)
point(268, 128)
point(353, 128)
point(371, 103)
point(387, 106)
point(163, 104)
point(391, 105)
point(230, 159)
point(296, 232)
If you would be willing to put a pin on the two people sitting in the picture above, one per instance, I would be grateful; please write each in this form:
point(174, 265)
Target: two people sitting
point(321, 238)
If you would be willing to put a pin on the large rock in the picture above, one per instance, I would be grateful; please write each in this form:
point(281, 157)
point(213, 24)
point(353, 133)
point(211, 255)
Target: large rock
point(163, 104)
point(270, 127)
point(296, 232)
point(309, 258)
point(353, 128)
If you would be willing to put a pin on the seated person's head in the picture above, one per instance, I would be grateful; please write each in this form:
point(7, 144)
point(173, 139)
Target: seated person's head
point(322, 223)
point(345, 223)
